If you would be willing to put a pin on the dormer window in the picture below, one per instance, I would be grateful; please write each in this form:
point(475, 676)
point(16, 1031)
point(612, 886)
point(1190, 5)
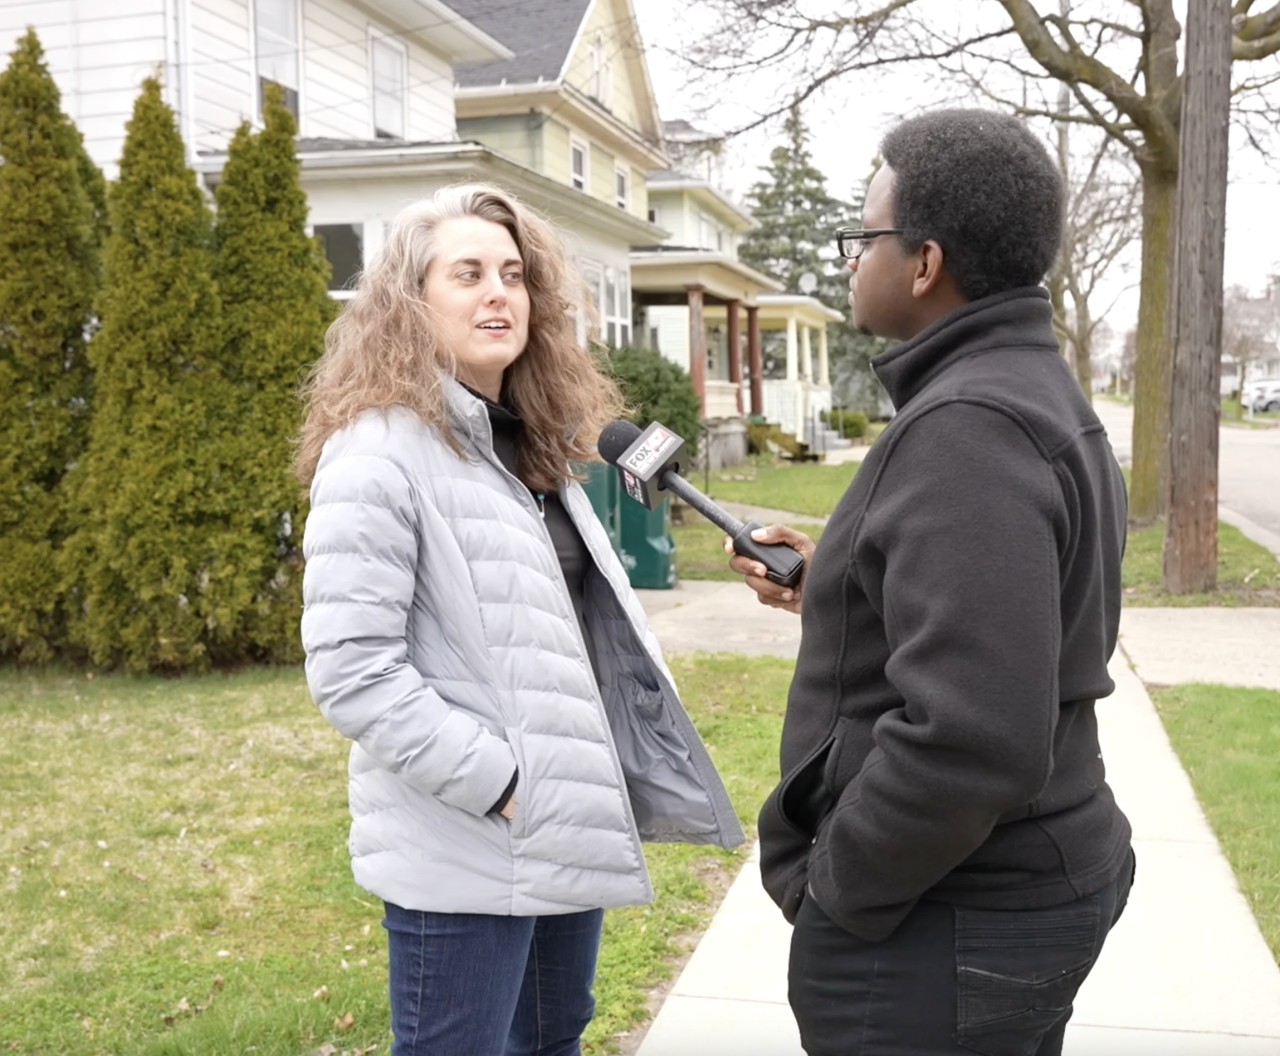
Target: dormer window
point(277, 45)
point(600, 83)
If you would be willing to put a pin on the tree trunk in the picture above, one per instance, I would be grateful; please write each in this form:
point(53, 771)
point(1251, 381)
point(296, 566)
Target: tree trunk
point(1150, 482)
point(1191, 543)
point(1083, 346)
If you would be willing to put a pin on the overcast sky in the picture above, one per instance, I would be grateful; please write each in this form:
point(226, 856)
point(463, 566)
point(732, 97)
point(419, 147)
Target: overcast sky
point(847, 122)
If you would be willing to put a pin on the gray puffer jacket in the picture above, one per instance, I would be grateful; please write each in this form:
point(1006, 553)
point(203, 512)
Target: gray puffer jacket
point(441, 639)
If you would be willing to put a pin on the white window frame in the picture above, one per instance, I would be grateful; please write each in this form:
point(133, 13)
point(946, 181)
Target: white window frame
point(378, 36)
point(622, 177)
point(585, 148)
point(372, 239)
point(254, 75)
point(600, 81)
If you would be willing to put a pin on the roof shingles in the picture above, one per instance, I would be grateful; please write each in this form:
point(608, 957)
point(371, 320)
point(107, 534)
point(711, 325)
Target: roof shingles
point(540, 32)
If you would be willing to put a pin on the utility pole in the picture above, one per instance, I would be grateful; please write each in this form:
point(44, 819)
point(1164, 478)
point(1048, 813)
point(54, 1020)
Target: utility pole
point(1191, 541)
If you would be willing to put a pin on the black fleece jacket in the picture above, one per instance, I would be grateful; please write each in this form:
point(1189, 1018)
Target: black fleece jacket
point(958, 615)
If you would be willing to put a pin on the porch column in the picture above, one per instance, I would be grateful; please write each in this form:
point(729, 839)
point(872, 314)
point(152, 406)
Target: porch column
point(806, 354)
point(755, 359)
point(824, 361)
point(793, 353)
point(697, 346)
point(735, 350)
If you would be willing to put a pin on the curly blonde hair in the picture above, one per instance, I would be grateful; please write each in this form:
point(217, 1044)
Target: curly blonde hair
point(383, 350)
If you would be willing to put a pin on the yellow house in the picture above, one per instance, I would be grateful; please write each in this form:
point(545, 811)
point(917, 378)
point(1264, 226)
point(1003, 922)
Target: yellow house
point(574, 104)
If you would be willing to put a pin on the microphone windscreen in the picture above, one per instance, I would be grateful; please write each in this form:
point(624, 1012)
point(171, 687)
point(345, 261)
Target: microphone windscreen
point(615, 438)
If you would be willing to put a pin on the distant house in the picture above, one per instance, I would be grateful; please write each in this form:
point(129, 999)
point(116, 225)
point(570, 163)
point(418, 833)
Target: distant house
point(692, 293)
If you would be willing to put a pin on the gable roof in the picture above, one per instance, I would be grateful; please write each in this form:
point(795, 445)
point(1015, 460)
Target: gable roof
point(540, 32)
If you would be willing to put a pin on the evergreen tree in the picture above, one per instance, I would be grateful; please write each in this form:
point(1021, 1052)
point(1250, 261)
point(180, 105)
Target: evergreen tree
point(154, 489)
point(274, 282)
point(49, 272)
point(797, 218)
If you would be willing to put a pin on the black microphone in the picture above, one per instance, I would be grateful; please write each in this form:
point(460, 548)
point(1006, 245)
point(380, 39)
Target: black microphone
point(651, 462)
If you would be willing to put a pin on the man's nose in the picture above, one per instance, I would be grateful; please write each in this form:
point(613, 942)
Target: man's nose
point(852, 264)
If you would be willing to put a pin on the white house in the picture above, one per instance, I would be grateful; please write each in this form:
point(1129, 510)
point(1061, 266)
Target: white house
point(372, 84)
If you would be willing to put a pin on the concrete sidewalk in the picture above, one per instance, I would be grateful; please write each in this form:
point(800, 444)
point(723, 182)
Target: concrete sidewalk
point(1186, 972)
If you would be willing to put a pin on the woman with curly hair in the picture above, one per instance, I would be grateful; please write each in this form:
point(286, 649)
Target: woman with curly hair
point(468, 626)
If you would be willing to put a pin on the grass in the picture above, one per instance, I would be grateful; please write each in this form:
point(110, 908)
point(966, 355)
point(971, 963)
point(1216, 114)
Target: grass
point(797, 487)
point(700, 550)
point(1228, 740)
point(1248, 574)
point(175, 875)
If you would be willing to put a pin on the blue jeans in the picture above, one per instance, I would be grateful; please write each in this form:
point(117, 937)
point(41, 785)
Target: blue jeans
point(950, 980)
point(470, 984)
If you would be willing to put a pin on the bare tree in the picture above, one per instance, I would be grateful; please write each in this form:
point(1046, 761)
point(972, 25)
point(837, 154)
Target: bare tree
point(1119, 60)
point(1250, 326)
point(1191, 541)
point(1103, 219)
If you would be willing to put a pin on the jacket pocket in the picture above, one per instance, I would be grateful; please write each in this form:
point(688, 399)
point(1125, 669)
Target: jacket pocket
point(519, 824)
point(804, 797)
point(1017, 973)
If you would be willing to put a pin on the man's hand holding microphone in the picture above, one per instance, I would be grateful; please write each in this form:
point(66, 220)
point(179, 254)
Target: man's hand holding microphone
point(768, 592)
point(772, 559)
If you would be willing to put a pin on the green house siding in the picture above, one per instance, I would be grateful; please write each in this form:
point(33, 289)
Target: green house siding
point(518, 136)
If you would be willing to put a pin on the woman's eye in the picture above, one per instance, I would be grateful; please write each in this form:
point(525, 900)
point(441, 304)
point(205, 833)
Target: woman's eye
point(514, 277)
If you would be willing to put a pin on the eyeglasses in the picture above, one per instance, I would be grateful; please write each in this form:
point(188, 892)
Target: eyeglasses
point(853, 241)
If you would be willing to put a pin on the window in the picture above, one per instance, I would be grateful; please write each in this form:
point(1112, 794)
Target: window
point(624, 307)
point(578, 166)
point(343, 244)
point(653, 216)
point(610, 306)
point(600, 81)
point(706, 232)
point(276, 41)
point(389, 64)
point(622, 188)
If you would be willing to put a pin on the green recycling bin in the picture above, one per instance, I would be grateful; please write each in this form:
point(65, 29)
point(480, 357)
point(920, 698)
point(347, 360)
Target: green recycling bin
point(648, 550)
point(604, 489)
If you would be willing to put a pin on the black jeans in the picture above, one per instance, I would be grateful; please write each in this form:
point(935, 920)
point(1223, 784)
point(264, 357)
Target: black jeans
point(949, 979)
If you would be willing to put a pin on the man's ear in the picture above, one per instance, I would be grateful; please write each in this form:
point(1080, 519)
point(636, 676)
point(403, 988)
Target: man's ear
point(929, 268)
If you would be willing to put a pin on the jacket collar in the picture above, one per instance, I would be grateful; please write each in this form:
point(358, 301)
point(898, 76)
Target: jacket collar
point(1021, 318)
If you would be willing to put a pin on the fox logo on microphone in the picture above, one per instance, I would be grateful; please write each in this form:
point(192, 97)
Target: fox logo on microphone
point(654, 450)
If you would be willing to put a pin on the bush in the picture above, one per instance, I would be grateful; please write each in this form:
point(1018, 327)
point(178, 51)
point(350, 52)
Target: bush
point(151, 565)
point(273, 280)
point(49, 270)
point(659, 391)
point(760, 435)
point(852, 425)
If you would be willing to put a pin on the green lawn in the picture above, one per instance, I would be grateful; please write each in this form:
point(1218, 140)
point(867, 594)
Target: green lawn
point(1248, 574)
point(797, 487)
point(176, 880)
point(1228, 740)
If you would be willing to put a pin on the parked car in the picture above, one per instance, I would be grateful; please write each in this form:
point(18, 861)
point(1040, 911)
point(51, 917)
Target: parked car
point(1264, 394)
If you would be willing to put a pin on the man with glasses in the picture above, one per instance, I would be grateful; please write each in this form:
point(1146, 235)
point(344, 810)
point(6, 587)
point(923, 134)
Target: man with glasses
point(943, 838)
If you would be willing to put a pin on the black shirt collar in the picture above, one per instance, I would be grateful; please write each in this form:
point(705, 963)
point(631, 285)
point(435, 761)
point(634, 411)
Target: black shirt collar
point(1020, 318)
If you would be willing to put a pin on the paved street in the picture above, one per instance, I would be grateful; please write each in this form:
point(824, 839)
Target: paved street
point(1248, 464)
